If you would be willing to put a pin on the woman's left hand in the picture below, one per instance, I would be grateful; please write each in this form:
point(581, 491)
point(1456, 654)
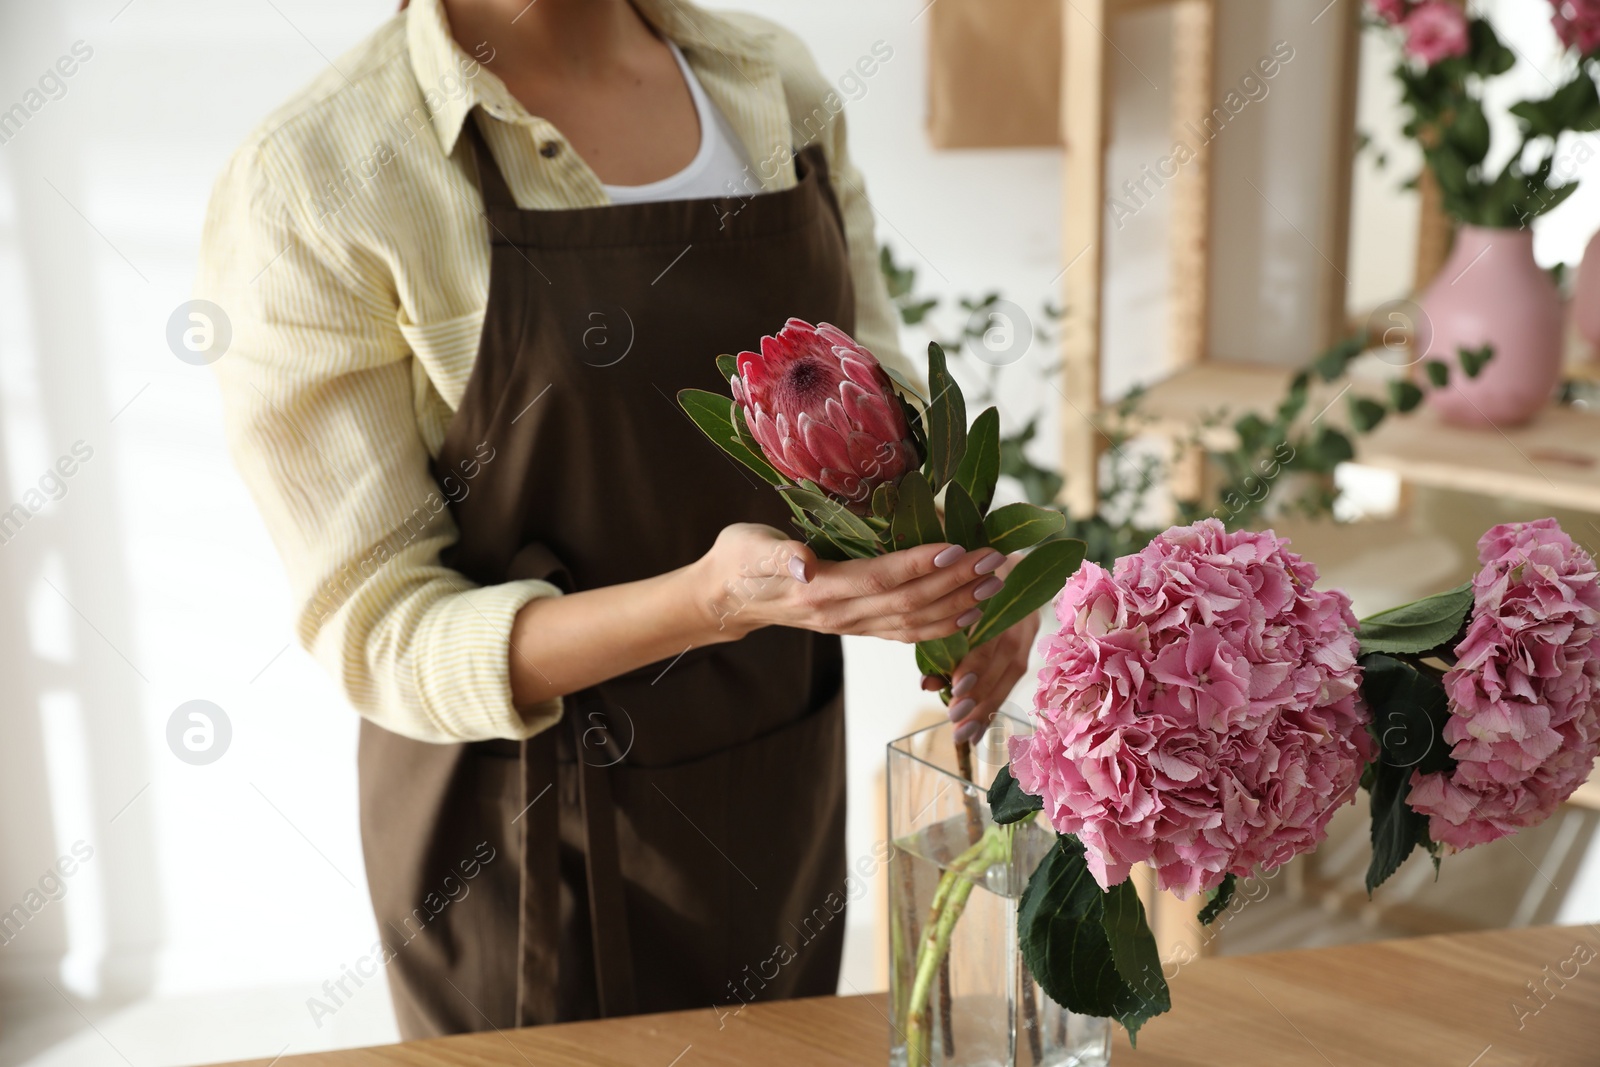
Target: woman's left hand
point(984, 679)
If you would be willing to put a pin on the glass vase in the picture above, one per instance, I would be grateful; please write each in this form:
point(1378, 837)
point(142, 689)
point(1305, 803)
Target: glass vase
point(954, 870)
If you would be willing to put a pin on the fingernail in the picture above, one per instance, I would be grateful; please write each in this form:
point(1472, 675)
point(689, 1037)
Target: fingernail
point(961, 709)
point(932, 682)
point(987, 588)
point(968, 730)
point(964, 686)
point(949, 556)
point(966, 619)
point(989, 563)
point(797, 568)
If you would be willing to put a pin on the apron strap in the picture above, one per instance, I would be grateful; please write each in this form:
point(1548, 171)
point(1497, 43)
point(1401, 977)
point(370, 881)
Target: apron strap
point(491, 181)
point(539, 895)
point(608, 916)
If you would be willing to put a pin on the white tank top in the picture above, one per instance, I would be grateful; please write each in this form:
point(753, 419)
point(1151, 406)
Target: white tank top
point(719, 168)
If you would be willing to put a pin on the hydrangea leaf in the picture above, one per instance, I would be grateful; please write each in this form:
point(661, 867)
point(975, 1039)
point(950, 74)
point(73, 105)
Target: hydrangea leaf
point(1008, 802)
point(1062, 932)
point(1418, 627)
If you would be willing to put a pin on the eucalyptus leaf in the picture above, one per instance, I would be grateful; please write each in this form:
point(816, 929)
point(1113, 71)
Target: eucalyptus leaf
point(962, 523)
point(1403, 395)
point(947, 421)
point(980, 464)
point(1418, 627)
point(1365, 413)
point(1473, 360)
point(1037, 577)
point(916, 518)
point(1438, 372)
point(1018, 526)
point(713, 413)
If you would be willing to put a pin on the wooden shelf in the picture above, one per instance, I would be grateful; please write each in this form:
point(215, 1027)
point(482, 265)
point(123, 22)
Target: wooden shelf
point(1555, 460)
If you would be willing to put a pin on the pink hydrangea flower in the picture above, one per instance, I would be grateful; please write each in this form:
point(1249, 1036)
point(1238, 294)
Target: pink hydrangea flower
point(1435, 30)
point(1577, 23)
point(1391, 11)
point(1198, 709)
point(1524, 724)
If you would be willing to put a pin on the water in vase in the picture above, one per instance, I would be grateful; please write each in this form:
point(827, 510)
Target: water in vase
point(982, 1008)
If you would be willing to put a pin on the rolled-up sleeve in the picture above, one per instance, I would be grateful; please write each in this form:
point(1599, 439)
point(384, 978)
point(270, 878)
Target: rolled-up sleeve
point(319, 403)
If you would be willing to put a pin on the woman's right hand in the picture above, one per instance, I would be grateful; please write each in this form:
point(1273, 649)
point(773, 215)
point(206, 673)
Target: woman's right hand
point(757, 576)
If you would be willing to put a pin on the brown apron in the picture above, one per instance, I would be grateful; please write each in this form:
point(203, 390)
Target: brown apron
point(678, 840)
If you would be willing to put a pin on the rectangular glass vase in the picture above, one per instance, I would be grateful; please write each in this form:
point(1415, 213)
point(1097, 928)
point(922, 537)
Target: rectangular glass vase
point(980, 1007)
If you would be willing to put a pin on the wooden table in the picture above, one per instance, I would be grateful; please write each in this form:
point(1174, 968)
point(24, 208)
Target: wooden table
point(1450, 1001)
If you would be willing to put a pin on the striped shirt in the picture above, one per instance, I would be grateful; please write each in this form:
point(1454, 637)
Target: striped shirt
point(346, 246)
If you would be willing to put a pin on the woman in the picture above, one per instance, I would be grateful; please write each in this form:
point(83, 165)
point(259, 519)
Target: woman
point(468, 268)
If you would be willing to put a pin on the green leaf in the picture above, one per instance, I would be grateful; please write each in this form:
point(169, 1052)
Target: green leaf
point(962, 523)
point(831, 515)
point(1017, 526)
point(1219, 901)
point(1037, 577)
point(942, 654)
point(727, 366)
point(1133, 946)
point(1332, 363)
point(1008, 803)
point(1404, 395)
point(1438, 372)
point(713, 413)
point(1409, 712)
point(947, 421)
point(1396, 829)
point(1061, 930)
point(1474, 360)
point(1418, 627)
point(883, 500)
point(980, 464)
point(1365, 414)
point(916, 519)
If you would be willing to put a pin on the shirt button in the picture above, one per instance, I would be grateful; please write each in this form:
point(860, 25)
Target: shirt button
point(549, 149)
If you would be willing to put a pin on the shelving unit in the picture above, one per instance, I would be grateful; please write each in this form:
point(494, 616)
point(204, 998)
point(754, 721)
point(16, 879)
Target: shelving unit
point(1554, 461)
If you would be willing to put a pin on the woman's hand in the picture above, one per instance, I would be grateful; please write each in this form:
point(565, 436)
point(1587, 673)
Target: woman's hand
point(757, 576)
point(986, 677)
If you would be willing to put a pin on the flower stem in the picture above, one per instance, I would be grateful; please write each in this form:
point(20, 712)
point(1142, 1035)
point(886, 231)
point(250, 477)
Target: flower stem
point(949, 901)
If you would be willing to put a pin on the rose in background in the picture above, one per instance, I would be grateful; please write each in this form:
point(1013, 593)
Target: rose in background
point(1490, 297)
point(1197, 711)
point(1524, 693)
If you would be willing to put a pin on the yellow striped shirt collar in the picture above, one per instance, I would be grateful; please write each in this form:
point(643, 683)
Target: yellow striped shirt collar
point(441, 64)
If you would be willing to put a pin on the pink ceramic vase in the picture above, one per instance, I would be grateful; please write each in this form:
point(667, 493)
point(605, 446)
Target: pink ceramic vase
point(1586, 297)
point(1490, 291)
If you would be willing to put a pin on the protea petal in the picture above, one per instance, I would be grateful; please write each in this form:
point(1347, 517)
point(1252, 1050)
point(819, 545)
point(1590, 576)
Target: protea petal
point(822, 409)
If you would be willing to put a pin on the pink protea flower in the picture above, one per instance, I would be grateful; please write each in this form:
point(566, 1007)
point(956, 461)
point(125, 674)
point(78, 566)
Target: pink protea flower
point(1390, 11)
point(1577, 23)
point(1524, 724)
point(1198, 709)
point(822, 409)
point(1435, 30)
